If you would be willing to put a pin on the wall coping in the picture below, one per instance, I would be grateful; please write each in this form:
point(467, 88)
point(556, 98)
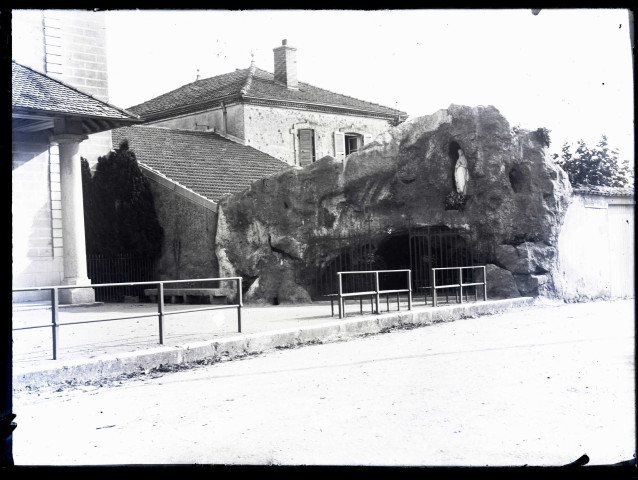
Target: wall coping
point(178, 188)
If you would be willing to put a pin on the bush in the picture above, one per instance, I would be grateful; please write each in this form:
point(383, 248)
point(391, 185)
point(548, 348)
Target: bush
point(597, 166)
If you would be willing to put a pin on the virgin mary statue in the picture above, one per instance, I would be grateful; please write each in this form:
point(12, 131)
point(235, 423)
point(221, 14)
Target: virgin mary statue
point(461, 173)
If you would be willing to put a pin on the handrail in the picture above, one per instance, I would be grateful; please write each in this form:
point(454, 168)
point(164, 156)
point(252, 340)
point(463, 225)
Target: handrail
point(459, 285)
point(161, 313)
point(376, 292)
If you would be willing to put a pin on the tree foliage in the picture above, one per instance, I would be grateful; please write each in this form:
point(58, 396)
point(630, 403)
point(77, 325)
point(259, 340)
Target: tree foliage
point(119, 210)
point(597, 166)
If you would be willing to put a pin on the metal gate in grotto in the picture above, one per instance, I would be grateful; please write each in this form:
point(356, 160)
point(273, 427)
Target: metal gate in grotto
point(440, 247)
point(418, 248)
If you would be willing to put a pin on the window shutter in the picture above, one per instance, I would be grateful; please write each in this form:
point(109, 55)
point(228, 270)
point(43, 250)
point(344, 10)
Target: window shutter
point(367, 138)
point(306, 146)
point(340, 145)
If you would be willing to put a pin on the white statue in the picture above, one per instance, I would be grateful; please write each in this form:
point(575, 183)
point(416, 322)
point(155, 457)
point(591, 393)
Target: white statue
point(461, 173)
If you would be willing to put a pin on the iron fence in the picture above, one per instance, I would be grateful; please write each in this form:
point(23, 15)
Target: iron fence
point(339, 253)
point(118, 269)
point(419, 248)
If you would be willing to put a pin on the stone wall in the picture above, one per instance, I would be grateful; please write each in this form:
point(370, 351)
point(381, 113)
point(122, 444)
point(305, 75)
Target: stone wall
point(190, 225)
point(273, 130)
point(36, 216)
point(515, 204)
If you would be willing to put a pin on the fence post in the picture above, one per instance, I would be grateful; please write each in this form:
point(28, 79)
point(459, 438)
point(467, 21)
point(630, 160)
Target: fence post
point(341, 305)
point(409, 289)
point(484, 285)
point(376, 288)
point(239, 304)
point(433, 288)
point(54, 321)
point(461, 284)
point(160, 311)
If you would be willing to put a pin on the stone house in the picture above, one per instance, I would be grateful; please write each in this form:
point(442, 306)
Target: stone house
point(275, 113)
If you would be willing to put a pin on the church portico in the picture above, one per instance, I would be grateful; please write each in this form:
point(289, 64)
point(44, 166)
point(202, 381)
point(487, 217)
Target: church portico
point(50, 122)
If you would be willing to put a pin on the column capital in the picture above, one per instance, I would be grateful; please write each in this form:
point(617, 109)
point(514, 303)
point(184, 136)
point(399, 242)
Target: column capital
point(65, 138)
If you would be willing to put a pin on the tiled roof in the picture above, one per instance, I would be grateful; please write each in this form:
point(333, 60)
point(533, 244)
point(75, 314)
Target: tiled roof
point(34, 90)
point(604, 191)
point(251, 83)
point(204, 162)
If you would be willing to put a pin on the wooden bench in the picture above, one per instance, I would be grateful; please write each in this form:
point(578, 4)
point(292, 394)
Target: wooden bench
point(190, 295)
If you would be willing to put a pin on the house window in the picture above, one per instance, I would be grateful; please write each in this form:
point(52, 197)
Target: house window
point(353, 142)
point(306, 146)
point(349, 142)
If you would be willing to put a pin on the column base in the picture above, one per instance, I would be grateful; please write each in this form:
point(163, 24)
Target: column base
point(76, 295)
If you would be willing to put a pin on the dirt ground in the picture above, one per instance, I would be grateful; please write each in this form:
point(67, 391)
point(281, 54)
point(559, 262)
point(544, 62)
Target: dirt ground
point(540, 386)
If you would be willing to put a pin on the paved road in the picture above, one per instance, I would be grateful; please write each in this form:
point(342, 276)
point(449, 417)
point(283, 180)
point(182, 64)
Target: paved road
point(537, 387)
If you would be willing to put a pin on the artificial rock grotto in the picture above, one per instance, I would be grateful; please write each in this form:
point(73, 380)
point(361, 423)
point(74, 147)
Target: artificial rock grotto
point(511, 211)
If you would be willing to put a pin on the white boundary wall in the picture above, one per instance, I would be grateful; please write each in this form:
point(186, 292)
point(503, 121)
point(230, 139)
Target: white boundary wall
point(596, 248)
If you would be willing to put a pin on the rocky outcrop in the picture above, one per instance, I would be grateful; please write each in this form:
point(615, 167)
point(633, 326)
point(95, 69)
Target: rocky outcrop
point(526, 258)
point(500, 283)
point(512, 211)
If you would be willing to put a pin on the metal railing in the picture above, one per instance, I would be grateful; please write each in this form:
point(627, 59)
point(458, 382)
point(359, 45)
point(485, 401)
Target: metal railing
point(458, 285)
point(376, 292)
point(161, 313)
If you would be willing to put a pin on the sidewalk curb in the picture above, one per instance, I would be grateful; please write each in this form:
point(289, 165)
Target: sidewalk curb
point(110, 366)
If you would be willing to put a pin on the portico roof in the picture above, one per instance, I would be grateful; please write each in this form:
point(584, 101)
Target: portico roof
point(38, 100)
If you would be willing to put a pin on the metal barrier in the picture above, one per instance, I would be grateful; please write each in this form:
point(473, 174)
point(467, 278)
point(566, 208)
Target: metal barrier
point(376, 292)
point(161, 313)
point(459, 285)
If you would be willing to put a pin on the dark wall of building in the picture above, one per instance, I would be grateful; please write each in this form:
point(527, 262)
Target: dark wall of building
point(188, 248)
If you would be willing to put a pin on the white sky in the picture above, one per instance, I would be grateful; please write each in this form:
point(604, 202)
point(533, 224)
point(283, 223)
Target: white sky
point(566, 70)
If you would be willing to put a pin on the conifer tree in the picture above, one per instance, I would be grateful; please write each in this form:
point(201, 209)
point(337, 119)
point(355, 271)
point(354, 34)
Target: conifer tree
point(120, 212)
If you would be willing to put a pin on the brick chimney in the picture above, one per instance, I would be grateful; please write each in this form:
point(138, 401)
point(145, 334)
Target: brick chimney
point(286, 65)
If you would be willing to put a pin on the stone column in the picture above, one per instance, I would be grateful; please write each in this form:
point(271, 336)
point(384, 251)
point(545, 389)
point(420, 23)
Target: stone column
point(73, 238)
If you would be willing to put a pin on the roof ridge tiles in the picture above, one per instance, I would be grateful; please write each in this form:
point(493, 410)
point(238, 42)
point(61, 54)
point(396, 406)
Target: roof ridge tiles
point(341, 94)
